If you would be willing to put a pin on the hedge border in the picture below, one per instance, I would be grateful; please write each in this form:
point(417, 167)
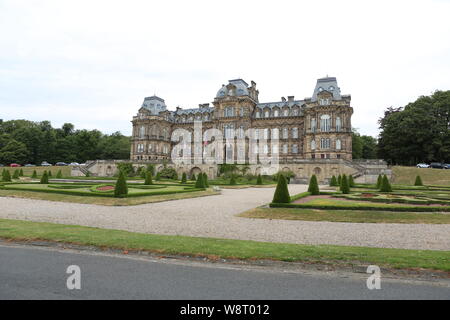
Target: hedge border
point(368, 208)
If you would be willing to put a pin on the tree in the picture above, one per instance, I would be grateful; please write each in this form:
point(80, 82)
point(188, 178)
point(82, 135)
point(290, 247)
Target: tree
point(148, 178)
point(345, 188)
point(357, 145)
point(281, 194)
point(14, 152)
point(183, 178)
point(121, 188)
point(313, 187)
point(44, 178)
point(259, 180)
point(418, 181)
point(333, 181)
point(385, 185)
point(59, 174)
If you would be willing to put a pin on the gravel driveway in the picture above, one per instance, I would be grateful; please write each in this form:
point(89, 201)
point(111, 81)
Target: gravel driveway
point(214, 216)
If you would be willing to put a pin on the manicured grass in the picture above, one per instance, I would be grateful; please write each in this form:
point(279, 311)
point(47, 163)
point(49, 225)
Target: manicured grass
point(407, 175)
point(28, 171)
point(224, 248)
point(106, 201)
point(355, 216)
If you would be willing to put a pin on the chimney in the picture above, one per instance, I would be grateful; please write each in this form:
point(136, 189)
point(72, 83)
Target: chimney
point(253, 83)
point(290, 98)
point(283, 99)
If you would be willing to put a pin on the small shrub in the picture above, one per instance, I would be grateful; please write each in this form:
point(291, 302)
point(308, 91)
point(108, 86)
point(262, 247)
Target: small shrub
point(313, 186)
point(385, 185)
point(151, 168)
point(205, 180)
point(88, 174)
point(345, 188)
point(233, 180)
point(121, 188)
point(183, 178)
point(158, 176)
point(175, 176)
point(200, 182)
point(6, 176)
point(379, 181)
point(281, 194)
point(142, 172)
point(16, 174)
point(126, 168)
point(259, 180)
point(418, 181)
point(333, 181)
point(148, 178)
point(49, 173)
point(44, 178)
point(34, 175)
point(193, 178)
point(351, 182)
point(339, 180)
point(59, 174)
point(21, 173)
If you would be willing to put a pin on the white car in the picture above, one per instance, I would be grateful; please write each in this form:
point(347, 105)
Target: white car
point(423, 165)
point(74, 164)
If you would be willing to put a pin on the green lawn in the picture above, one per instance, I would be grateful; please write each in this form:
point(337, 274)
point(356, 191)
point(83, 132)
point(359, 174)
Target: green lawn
point(407, 175)
point(224, 248)
point(354, 216)
point(28, 171)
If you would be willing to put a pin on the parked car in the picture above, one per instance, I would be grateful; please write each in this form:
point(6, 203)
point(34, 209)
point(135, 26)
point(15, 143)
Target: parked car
point(447, 166)
point(437, 165)
point(61, 164)
point(2, 165)
point(45, 164)
point(30, 165)
point(423, 165)
point(14, 165)
point(74, 164)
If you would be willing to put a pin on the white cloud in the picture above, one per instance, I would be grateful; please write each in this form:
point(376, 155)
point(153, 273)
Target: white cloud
point(92, 62)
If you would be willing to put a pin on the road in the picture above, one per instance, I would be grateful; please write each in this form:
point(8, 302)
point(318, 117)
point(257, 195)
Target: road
point(40, 273)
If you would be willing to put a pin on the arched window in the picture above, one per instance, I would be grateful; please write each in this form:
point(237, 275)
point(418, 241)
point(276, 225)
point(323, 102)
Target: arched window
point(313, 145)
point(275, 113)
point(338, 124)
point(266, 114)
point(338, 144)
point(325, 123)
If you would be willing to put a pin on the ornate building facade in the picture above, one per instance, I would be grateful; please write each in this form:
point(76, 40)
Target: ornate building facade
point(318, 127)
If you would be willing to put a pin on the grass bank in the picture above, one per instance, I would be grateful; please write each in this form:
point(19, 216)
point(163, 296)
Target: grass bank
point(407, 175)
point(224, 248)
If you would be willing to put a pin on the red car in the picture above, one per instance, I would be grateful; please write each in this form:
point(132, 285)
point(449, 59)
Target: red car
point(14, 165)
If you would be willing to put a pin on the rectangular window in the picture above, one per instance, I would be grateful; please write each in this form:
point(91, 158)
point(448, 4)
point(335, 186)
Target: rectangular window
point(295, 133)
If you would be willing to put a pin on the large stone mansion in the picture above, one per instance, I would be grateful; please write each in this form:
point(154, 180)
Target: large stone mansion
point(318, 127)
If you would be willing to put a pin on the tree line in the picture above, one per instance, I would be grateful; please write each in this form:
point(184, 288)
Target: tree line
point(23, 141)
point(419, 132)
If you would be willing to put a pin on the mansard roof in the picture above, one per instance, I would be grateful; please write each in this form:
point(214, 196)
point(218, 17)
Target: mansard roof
point(280, 104)
point(328, 84)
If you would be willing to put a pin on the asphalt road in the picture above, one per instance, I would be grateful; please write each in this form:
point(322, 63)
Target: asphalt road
point(40, 273)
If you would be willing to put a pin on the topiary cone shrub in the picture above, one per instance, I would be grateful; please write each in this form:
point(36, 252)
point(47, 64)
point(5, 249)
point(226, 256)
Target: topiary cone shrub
point(148, 178)
point(205, 180)
point(121, 188)
point(59, 174)
point(385, 185)
point(158, 176)
point(333, 181)
point(281, 194)
point(21, 173)
point(193, 178)
point(351, 182)
point(339, 180)
point(200, 183)
point(259, 180)
point(49, 173)
point(183, 178)
point(418, 181)
point(379, 181)
point(34, 175)
point(44, 178)
point(313, 186)
point(16, 174)
point(233, 180)
point(6, 176)
point(345, 188)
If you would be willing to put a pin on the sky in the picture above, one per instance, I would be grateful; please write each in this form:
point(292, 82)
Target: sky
point(91, 63)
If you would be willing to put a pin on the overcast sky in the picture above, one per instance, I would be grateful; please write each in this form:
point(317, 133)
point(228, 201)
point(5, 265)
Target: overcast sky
point(92, 62)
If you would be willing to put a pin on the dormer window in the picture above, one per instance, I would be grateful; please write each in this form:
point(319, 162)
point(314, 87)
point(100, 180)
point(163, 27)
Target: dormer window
point(324, 101)
point(286, 112)
point(266, 113)
point(275, 113)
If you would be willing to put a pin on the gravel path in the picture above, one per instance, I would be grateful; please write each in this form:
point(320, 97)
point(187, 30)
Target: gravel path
point(214, 216)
